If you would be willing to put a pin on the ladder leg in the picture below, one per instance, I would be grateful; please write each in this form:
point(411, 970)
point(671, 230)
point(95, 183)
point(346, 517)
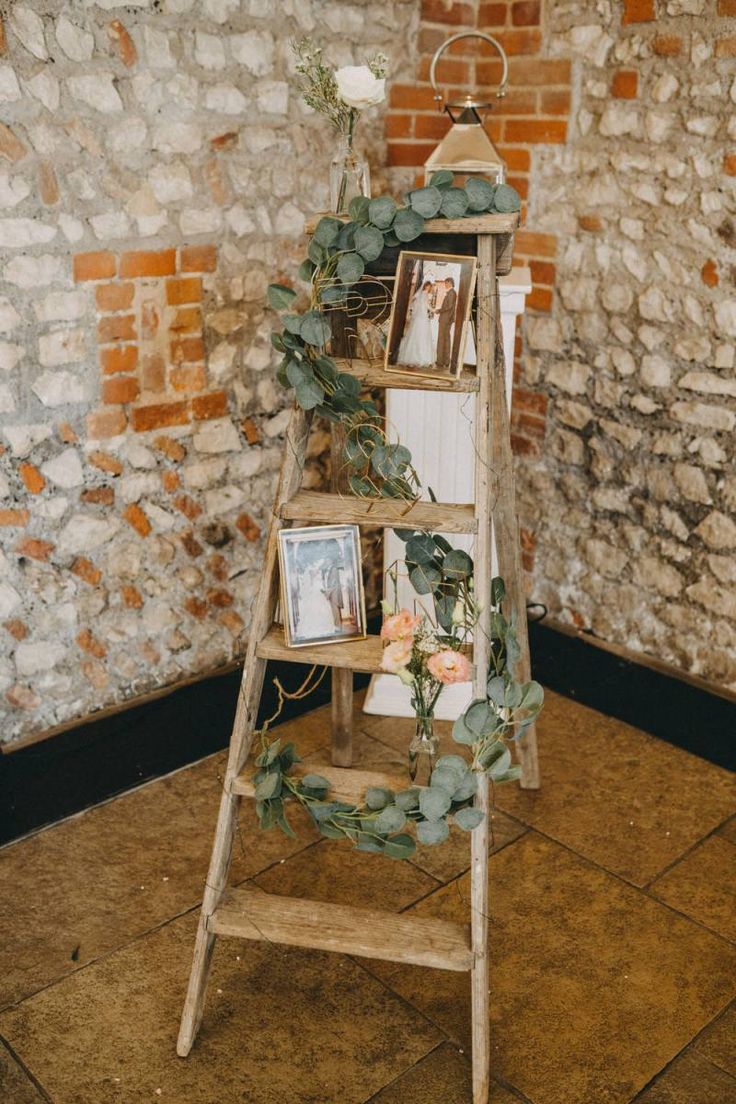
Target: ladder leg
point(342, 717)
point(479, 977)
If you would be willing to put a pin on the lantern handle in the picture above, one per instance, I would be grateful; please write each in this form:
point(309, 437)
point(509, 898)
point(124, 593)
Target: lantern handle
point(501, 91)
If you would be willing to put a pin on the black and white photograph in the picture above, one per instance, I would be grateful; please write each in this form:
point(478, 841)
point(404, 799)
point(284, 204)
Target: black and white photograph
point(321, 584)
point(429, 327)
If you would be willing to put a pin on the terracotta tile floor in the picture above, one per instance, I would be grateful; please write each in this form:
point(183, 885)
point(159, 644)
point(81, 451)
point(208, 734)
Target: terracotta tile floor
point(613, 941)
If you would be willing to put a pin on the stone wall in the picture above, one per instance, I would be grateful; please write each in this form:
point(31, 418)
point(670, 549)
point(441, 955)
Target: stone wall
point(629, 485)
point(156, 165)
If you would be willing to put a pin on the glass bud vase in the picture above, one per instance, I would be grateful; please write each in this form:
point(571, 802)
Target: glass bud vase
point(423, 751)
point(350, 176)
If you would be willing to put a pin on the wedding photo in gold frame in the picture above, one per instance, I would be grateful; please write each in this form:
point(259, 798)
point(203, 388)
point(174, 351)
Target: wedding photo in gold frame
point(322, 597)
point(428, 327)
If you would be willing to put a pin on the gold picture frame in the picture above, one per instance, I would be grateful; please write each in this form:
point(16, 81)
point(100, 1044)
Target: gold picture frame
point(425, 336)
point(321, 585)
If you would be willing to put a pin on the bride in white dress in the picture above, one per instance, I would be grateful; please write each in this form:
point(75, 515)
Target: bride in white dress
point(315, 611)
point(419, 344)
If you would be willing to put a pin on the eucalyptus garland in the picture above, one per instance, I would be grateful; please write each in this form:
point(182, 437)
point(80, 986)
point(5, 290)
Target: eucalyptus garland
point(384, 822)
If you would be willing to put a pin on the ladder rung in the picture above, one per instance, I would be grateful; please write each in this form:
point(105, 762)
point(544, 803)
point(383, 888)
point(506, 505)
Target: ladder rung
point(252, 914)
point(373, 374)
point(346, 784)
point(356, 655)
point(444, 517)
point(470, 224)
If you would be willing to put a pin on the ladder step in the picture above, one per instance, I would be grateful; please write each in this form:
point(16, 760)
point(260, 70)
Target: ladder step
point(355, 655)
point(251, 914)
point(471, 224)
point(346, 784)
point(444, 517)
point(373, 374)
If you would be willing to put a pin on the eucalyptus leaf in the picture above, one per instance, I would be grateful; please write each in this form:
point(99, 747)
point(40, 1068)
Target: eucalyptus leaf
point(369, 242)
point(360, 486)
point(365, 842)
point(498, 590)
point(329, 831)
point(457, 564)
point(316, 254)
point(315, 329)
point(408, 799)
point(306, 270)
point(421, 549)
point(479, 717)
point(407, 225)
point(455, 763)
point(432, 831)
point(298, 373)
point(309, 394)
point(500, 766)
point(461, 734)
point(399, 847)
point(278, 342)
point(468, 818)
point(346, 237)
point(376, 797)
point(327, 230)
point(506, 199)
point(333, 293)
point(442, 178)
point(350, 268)
point(496, 690)
point(513, 774)
point(434, 802)
point(280, 297)
point(454, 203)
point(358, 209)
point(425, 578)
point(466, 787)
point(292, 323)
point(315, 782)
point(390, 819)
point(390, 240)
point(444, 607)
point(426, 201)
point(381, 211)
point(269, 787)
point(269, 754)
point(480, 194)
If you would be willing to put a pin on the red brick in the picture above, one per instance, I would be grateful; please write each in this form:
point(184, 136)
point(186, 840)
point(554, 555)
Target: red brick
point(727, 8)
point(533, 244)
point(709, 274)
point(726, 47)
point(410, 96)
point(251, 431)
point(532, 401)
point(524, 40)
point(16, 628)
point(402, 153)
point(542, 272)
point(123, 43)
point(225, 141)
point(248, 527)
point(22, 697)
point(219, 190)
point(135, 517)
point(150, 320)
point(492, 15)
point(154, 373)
point(540, 299)
point(32, 478)
point(187, 320)
point(120, 389)
point(86, 570)
point(11, 145)
point(220, 599)
point(34, 549)
point(14, 518)
point(556, 101)
point(232, 621)
point(187, 506)
point(522, 446)
point(534, 71)
point(88, 642)
point(729, 164)
point(638, 11)
point(517, 160)
point(67, 434)
point(98, 496)
point(105, 462)
point(591, 223)
point(186, 290)
point(149, 653)
point(399, 126)
point(218, 566)
point(437, 11)
point(535, 130)
point(122, 359)
point(114, 297)
point(106, 423)
point(213, 405)
point(132, 597)
point(669, 45)
point(160, 415)
point(187, 349)
point(625, 83)
point(94, 672)
point(199, 258)
point(197, 607)
point(118, 327)
point(171, 448)
point(526, 13)
point(94, 266)
point(188, 377)
point(3, 40)
point(170, 481)
point(451, 70)
point(521, 183)
point(48, 186)
point(191, 545)
point(148, 263)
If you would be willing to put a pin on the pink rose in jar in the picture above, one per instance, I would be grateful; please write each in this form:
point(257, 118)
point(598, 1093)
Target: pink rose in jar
point(396, 656)
point(448, 666)
point(400, 626)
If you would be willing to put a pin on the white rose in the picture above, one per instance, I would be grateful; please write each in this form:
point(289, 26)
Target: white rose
point(357, 87)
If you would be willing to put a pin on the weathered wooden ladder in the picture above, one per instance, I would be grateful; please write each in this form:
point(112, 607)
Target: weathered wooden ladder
point(252, 914)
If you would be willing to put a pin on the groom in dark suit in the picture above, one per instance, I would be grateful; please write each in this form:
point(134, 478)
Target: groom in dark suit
point(333, 591)
point(446, 316)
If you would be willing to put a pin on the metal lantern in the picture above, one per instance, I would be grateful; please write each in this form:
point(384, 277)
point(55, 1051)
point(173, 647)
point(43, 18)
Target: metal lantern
point(467, 150)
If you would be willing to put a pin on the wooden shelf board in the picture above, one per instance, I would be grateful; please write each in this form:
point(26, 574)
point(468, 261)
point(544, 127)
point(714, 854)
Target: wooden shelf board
point(373, 374)
point(346, 783)
point(473, 224)
point(312, 506)
point(356, 655)
point(370, 933)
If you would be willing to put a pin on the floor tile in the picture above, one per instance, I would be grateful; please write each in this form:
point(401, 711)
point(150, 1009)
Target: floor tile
point(594, 986)
point(15, 1086)
point(280, 1027)
point(452, 857)
point(703, 885)
point(444, 1075)
point(691, 1080)
point(623, 799)
point(728, 830)
point(718, 1042)
point(104, 877)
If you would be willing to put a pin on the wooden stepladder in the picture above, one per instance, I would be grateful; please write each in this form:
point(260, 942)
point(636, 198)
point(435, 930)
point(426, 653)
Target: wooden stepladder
point(252, 914)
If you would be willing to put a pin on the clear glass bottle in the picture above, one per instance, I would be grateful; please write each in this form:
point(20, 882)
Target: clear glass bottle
point(423, 751)
point(350, 176)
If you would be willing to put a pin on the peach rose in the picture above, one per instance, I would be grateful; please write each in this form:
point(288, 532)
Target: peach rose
point(448, 666)
point(396, 656)
point(400, 626)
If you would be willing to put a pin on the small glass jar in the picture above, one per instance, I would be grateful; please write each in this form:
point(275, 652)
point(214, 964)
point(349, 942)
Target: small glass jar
point(350, 176)
point(423, 751)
